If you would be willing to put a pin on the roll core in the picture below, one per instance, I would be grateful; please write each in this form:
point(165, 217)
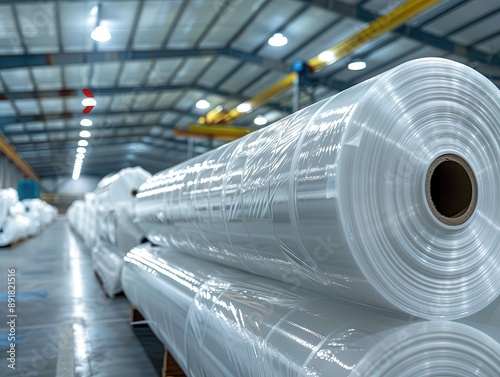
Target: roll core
point(451, 189)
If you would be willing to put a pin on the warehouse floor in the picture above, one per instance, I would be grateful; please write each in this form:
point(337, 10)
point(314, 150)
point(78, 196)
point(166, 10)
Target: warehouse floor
point(65, 324)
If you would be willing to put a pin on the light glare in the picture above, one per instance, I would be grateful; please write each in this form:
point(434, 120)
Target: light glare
point(278, 40)
point(86, 122)
point(89, 102)
point(356, 66)
point(260, 120)
point(101, 34)
point(244, 107)
point(202, 104)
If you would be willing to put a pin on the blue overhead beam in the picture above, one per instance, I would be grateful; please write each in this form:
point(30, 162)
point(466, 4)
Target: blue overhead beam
point(4, 120)
point(33, 60)
point(72, 92)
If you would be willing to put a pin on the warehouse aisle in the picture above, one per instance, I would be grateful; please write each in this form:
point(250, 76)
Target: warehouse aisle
point(65, 325)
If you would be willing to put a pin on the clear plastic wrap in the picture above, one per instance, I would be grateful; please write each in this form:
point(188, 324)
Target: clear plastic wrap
point(90, 220)
point(120, 187)
point(8, 197)
point(76, 217)
point(34, 209)
point(221, 322)
point(116, 235)
point(338, 197)
point(15, 228)
point(107, 262)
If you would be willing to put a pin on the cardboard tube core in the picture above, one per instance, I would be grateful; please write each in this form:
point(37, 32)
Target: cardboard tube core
point(451, 189)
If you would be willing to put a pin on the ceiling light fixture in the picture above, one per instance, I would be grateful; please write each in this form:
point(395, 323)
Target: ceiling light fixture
point(278, 40)
point(80, 156)
point(326, 56)
point(101, 34)
point(85, 134)
point(94, 10)
point(81, 150)
point(89, 102)
point(202, 104)
point(83, 143)
point(357, 65)
point(260, 120)
point(244, 107)
point(86, 122)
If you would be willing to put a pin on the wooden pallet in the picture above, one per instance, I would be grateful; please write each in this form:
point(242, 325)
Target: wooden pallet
point(170, 367)
point(136, 316)
point(17, 242)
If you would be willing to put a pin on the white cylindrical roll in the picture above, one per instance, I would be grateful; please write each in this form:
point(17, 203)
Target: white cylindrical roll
point(75, 216)
point(90, 219)
point(385, 193)
point(120, 187)
point(14, 229)
point(107, 262)
point(221, 322)
point(8, 197)
point(116, 227)
point(17, 209)
point(34, 209)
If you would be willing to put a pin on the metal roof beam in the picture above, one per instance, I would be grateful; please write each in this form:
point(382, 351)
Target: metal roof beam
point(31, 60)
point(98, 129)
point(4, 120)
point(91, 140)
point(73, 92)
point(415, 33)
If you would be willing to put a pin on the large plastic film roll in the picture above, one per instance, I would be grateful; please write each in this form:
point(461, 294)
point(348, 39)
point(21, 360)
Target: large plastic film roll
point(222, 322)
point(8, 197)
point(14, 229)
point(120, 187)
point(386, 193)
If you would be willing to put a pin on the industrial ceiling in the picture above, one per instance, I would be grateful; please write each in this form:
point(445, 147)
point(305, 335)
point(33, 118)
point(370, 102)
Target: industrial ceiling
point(165, 56)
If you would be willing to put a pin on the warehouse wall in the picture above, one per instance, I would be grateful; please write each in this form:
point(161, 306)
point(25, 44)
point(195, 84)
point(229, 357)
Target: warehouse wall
point(10, 174)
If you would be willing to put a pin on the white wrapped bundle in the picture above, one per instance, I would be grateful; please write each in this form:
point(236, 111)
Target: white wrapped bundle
point(120, 187)
point(107, 262)
point(90, 220)
point(8, 197)
point(75, 216)
point(221, 322)
point(54, 212)
point(35, 210)
point(386, 193)
point(15, 228)
point(49, 213)
point(116, 235)
point(116, 227)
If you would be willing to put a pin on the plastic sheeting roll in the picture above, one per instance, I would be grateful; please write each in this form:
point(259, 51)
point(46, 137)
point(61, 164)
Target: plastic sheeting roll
point(120, 187)
point(76, 218)
point(8, 197)
point(386, 193)
point(107, 262)
point(34, 209)
point(90, 220)
point(116, 227)
point(15, 229)
point(221, 322)
point(116, 235)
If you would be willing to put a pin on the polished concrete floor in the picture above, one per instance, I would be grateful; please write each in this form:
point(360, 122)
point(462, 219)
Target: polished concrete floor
point(65, 326)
